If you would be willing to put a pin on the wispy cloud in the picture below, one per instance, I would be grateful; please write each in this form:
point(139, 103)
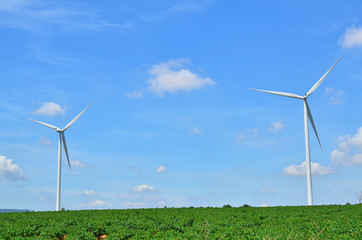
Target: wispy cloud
point(89, 193)
point(171, 8)
point(348, 152)
point(352, 38)
point(248, 134)
point(44, 141)
point(133, 168)
point(50, 109)
point(12, 5)
point(268, 190)
point(335, 96)
point(42, 16)
point(143, 188)
point(10, 171)
point(44, 53)
point(76, 163)
point(189, 6)
point(94, 204)
point(276, 127)
point(255, 138)
point(134, 94)
point(142, 196)
point(301, 170)
point(174, 76)
point(196, 130)
point(161, 169)
point(98, 203)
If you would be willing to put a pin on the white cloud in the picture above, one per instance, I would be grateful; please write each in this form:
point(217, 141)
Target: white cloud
point(351, 38)
point(89, 193)
point(196, 130)
point(264, 205)
point(335, 96)
point(98, 203)
point(76, 163)
point(357, 159)
point(349, 149)
point(301, 170)
point(160, 169)
point(338, 157)
point(276, 127)
point(10, 171)
point(44, 141)
point(356, 140)
point(143, 188)
point(134, 94)
point(173, 76)
point(50, 109)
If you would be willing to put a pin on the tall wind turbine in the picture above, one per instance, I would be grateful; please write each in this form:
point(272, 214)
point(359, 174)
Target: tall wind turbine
point(307, 115)
point(61, 140)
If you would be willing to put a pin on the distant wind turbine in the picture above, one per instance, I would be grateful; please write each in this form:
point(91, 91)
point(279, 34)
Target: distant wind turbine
point(307, 115)
point(61, 140)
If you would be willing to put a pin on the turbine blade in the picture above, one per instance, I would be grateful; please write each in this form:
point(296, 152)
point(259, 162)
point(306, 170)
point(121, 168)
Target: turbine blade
point(312, 122)
point(321, 80)
point(280, 93)
point(75, 119)
point(66, 151)
point(45, 124)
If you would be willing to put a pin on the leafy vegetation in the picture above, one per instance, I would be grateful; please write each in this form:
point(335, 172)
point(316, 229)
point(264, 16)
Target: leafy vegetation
point(312, 222)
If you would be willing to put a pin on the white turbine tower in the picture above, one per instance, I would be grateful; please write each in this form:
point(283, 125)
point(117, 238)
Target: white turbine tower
point(61, 140)
point(307, 115)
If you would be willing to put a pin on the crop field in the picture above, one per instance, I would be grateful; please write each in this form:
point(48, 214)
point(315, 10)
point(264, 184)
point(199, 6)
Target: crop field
point(312, 222)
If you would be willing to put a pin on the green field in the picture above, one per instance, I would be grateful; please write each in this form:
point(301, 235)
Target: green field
point(313, 222)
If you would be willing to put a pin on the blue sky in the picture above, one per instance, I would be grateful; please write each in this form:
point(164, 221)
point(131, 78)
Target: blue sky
point(174, 122)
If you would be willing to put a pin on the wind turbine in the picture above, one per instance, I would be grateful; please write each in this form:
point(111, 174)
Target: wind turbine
point(61, 140)
point(307, 115)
